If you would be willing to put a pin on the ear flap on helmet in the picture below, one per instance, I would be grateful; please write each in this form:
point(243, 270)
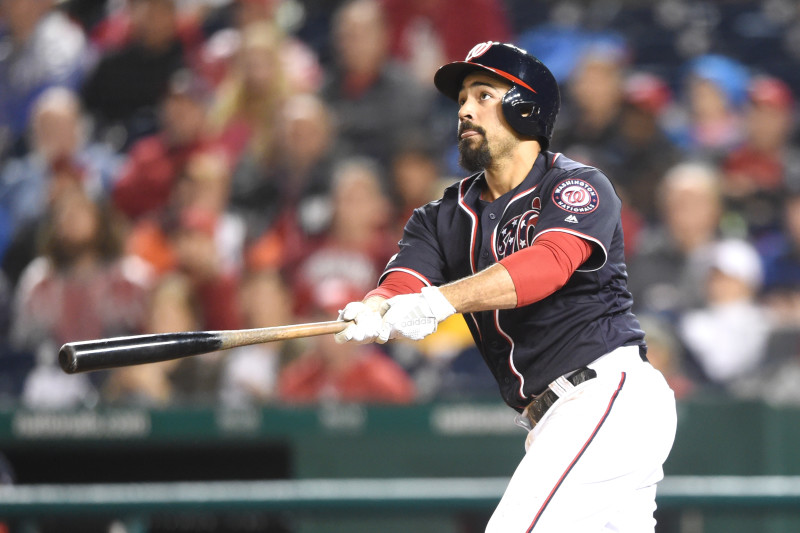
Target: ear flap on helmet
point(525, 114)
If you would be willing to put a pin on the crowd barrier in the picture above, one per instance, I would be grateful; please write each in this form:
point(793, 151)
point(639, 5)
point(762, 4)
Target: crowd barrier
point(326, 469)
point(352, 495)
point(688, 497)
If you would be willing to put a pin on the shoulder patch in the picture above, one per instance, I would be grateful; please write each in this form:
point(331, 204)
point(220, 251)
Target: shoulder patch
point(576, 196)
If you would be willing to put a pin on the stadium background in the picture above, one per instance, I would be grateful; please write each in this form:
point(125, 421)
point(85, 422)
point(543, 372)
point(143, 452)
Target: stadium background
point(169, 166)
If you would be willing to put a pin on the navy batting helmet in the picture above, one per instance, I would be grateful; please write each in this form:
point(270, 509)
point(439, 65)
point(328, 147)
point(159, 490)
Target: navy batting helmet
point(532, 103)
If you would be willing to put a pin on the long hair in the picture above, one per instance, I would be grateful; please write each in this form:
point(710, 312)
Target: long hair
point(107, 241)
point(259, 106)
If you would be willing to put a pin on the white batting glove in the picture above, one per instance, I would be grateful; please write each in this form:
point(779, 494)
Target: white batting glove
point(365, 323)
point(415, 316)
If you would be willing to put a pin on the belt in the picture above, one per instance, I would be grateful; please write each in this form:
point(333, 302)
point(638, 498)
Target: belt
point(541, 403)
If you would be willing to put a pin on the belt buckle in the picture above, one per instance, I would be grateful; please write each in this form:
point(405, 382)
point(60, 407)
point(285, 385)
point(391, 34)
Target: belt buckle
point(542, 402)
point(539, 406)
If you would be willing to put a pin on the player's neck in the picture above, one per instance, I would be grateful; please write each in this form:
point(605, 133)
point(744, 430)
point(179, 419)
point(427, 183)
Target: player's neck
point(507, 173)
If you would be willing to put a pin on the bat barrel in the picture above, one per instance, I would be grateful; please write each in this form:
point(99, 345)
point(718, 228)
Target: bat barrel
point(85, 356)
point(101, 354)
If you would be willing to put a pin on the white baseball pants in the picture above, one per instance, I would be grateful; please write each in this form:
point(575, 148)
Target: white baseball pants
point(593, 460)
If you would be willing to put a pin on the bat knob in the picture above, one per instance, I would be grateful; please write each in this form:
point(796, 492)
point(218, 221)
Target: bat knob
point(67, 359)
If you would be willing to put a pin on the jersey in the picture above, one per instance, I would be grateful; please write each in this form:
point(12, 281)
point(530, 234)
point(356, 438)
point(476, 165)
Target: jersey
point(528, 347)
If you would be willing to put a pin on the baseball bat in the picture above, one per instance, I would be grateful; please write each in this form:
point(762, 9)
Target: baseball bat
point(86, 356)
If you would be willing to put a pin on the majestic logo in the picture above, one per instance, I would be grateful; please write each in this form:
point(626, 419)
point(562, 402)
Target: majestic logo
point(518, 232)
point(478, 50)
point(575, 196)
point(572, 219)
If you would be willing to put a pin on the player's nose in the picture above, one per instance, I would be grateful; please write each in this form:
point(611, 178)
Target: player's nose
point(465, 111)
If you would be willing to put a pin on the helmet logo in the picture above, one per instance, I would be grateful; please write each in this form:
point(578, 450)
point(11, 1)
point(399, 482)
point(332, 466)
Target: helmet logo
point(478, 50)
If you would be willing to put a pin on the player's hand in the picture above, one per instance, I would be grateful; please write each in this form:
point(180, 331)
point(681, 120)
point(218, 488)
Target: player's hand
point(365, 321)
point(414, 316)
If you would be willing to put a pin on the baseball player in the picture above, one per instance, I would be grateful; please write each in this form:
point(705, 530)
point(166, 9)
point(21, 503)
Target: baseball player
point(530, 249)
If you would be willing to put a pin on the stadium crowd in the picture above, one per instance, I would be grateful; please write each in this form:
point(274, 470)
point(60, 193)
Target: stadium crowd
point(171, 165)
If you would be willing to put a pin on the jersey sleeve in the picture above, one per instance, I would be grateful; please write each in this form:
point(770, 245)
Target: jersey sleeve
point(395, 283)
point(420, 254)
point(556, 256)
point(585, 204)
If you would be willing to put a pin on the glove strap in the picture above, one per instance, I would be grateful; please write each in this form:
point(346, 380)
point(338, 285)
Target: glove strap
point(439, 305)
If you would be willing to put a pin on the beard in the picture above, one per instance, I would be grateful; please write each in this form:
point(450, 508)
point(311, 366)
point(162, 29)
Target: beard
point(473, 158)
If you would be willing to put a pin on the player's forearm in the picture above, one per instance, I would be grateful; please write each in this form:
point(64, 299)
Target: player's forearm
point(491, 288)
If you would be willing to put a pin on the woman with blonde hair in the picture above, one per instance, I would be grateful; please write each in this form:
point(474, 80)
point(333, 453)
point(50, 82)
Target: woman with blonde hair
point(250, 97)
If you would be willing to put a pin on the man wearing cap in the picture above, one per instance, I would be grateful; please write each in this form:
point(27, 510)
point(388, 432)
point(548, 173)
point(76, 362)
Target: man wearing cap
point(530, 249)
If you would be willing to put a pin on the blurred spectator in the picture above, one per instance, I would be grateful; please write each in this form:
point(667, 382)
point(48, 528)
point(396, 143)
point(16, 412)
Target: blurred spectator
point(415, 181)
point(205, 187)
point(80, 288)
point(299, 61)
point(188, 244)
point(666, 272)
point(250, 373)
point(641, 153)
point(293, 186)
point(41, 48)
point(781, 289)
point(758, 172)
point(202, 188)
point(112, 25)
point(171, 309)
point(127, 85)
point(14, 365)
point(355, 247)
point(666, 353)
point(445, 365)
point(593, 105)
point(249, 99)
point(728, 335)
point(715, 90)
point(377, 102)
point(59, 153)
point(774, 382)
point(424, 34)
point(199, 258)
point(332, 372)
point(156, 162)
point(58, 160)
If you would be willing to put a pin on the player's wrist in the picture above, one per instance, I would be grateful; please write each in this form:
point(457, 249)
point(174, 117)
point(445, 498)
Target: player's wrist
point(439, 304)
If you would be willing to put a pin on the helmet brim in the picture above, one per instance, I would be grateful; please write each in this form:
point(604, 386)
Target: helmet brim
point(448, 78)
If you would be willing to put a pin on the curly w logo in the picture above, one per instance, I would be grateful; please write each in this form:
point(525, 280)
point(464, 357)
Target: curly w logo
point(478, 50)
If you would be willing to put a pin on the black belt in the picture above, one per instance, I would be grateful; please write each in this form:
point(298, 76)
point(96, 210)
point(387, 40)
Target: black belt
point(541, 403)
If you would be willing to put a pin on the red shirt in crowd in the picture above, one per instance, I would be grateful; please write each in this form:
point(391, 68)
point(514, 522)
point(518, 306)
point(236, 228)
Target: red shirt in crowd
point(371, 376)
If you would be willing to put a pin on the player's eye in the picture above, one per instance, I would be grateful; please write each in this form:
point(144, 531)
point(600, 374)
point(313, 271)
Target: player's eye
point(485, 96)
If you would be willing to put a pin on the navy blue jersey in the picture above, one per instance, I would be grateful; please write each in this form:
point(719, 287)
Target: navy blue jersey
point(528, 347)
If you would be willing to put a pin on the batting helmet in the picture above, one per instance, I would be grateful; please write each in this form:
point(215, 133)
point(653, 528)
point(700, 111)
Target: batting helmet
point(532, 103)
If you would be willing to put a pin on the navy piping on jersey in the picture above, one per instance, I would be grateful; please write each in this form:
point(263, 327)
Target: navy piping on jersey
point(580, 453)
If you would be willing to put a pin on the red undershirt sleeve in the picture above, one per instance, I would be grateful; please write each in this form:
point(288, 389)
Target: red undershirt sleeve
point(397, 282)
point(544, 267)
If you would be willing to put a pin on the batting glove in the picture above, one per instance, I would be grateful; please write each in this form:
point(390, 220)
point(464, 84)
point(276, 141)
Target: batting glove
point(415, 316)
point(365, 323)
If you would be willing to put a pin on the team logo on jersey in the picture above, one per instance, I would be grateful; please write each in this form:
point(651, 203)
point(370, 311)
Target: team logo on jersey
point(575, 196)
point(518, 232)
